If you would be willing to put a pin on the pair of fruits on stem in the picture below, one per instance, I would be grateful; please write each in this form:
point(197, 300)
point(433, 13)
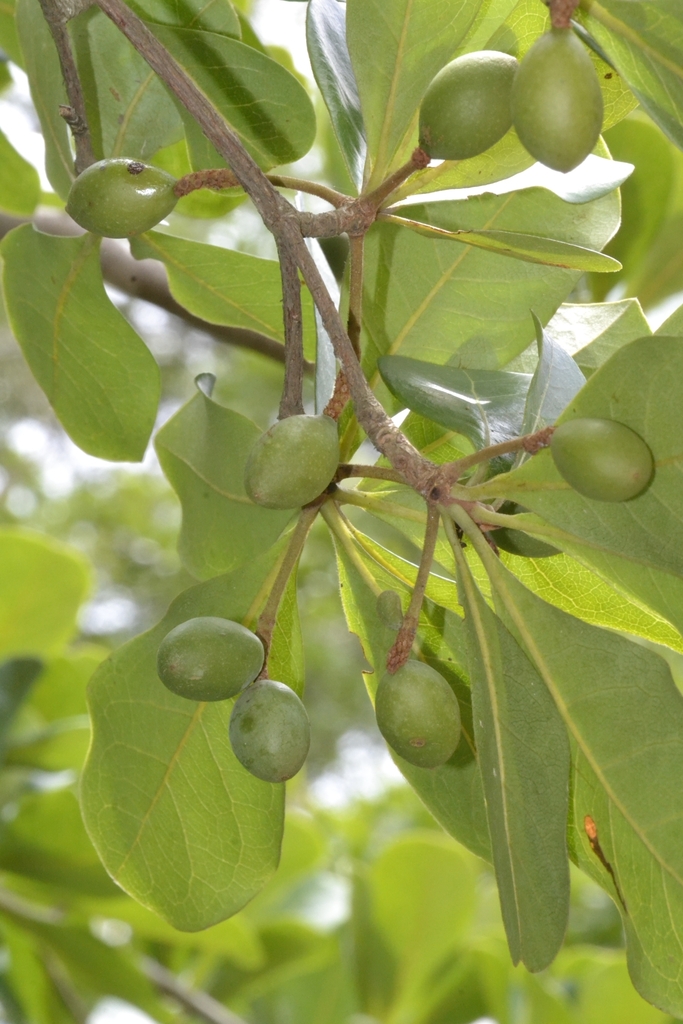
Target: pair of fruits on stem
point(552, 98)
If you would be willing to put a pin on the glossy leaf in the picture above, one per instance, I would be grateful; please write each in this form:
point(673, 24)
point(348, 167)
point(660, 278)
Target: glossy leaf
point(592, 332)
point(602, 684)
point(639, 386)
point(555, 382)
point(98, 375)
point(19, 183)
point(177, 821)
point(42, 586)
point(266, 105)
point(396, 50)
point(329, 55)
point(529, 248)
point(130, 113)
point(644, 41)
point(521, 740)
point(487, 406)
point(453, 792)
point(203, 450)
point(429, 299)
point(221, 285)
point(41, 63)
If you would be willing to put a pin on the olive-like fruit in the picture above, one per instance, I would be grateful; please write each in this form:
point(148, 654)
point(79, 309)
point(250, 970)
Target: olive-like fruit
point(466, 109)
point(118, 198)
point(389, 609)
point(557, 103)
point(516, 541)
point(418, 714)
point(209, 658)
point(293, 462)
point(269, 731)
point(602, 459)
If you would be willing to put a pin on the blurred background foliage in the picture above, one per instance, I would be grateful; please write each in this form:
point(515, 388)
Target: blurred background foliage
point(374, 915)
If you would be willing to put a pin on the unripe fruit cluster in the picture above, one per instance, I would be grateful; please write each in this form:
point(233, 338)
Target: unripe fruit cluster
point(552, 98)
point(210, 659)
point(120, 198)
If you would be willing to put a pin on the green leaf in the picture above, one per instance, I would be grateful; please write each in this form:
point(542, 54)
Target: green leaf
point(592, 332)
point(640, 386)
point(42, 586)
point(97, 373)
point(602, 685)
point(177, 821)
point(266, 105)
point(130, 113)
point(218, 16)
point(523, 751)
point(41, 63)
point(507, 157)
point(203, 450)
point(644, 41)
point(555, 382)
point(453, 793)
point(19, 182)
point(529, 248)
point(396, 50)
point(17, 676)
point(9, 41)
point(221, 285)
point(673, 327)
point(486, 406)
point(426, 298)
point(329, 55)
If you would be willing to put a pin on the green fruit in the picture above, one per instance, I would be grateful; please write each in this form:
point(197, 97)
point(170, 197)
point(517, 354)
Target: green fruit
point(118, 198)
point(269, 731)
point(389, 609)
point(557, 102)
point(466, 109)
point(602, 459)
point(517, 542)
point(293, 462)
point(208, 658)
point(418, 714)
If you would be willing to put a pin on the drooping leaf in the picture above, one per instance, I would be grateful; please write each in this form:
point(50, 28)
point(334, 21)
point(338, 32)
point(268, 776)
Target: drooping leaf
point(203, 450)
point(429, 299)
point(329, 55)
point(555, 382)
point(97, 373)
point(523, 751)
point(453, 792)
point(19, 183)
point(602, 685)
point(221, 285)
point(177, 821)
point(644, 41)
point(487, 406)
point(42, 585)
point(592, 332)
point(396, 50)
point(530, 248)
point(266, 105)
point(41, 63)
point(130, 113)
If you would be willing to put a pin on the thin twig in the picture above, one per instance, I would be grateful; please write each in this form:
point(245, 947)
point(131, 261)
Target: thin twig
point(200, 1004)
point(218, 178)
point(292, 401)
point(348, 469)
point(532, 443)
point(400, 652)
point(561, 12)
point(266, 622)
point(356, 266)
point(75, 114)
point(418, 161)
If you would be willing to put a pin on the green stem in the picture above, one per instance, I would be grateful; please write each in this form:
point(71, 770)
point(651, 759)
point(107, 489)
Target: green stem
point(400, 652)
point(371, 504)
point(347, 469)
point(338, 526)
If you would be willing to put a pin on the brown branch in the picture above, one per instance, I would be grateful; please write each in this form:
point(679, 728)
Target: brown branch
point(348, 469)
point(356, 266)
point(340, 397)
point(75, 114)
point(292, 402)
point(222, 177)
point(200, 1004)
point(285, 223)
point(531, 443)
point(418, 161)
point(400, 652)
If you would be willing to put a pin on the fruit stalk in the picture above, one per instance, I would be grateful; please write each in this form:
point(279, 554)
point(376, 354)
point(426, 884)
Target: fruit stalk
point(561, 12)
point(400, 652)
point(531, 443)
point(292, 401)
point(356, 261)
